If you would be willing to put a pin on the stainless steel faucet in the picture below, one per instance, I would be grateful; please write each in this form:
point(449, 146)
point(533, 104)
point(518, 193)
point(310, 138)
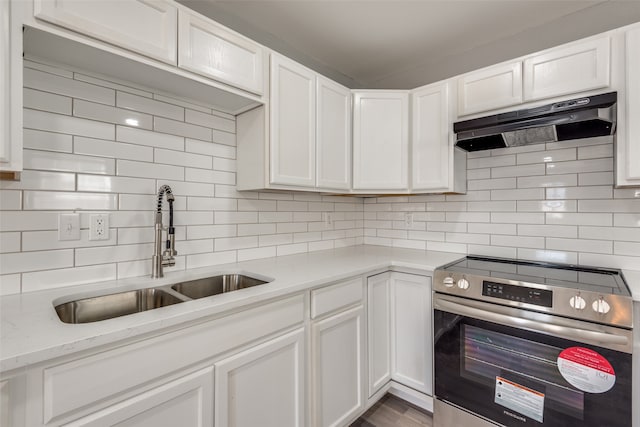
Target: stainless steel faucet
point(161, 259)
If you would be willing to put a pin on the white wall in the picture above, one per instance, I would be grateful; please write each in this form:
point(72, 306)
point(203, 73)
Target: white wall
point(81, 155)
point(551, 202)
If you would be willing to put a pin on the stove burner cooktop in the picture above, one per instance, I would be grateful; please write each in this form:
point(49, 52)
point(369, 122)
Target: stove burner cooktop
point(598, 295)
point(602, 280)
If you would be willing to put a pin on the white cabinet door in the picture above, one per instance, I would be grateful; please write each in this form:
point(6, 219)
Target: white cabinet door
point(433, 153)
point(411, 331)
point(570, 69)
point(5, 417)
point(148, 27)
point(207, 48)
point(333, 136)
point(337, 344)
point(263, 386)
point(490, 88)
point(628, 146)
point(293, 123)
point(185, 402)
point(378, 331)
point(10, 88)
point(380, 140)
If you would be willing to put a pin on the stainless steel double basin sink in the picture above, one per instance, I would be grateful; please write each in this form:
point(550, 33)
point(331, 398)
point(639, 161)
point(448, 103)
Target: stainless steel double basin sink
point(94, 309)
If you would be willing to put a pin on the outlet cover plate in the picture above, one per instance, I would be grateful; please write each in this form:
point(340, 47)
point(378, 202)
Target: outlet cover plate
point(99, 226)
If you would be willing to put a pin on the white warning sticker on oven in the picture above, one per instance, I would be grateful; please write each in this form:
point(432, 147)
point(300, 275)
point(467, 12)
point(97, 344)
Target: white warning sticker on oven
point(586, 370)
point(520, 399)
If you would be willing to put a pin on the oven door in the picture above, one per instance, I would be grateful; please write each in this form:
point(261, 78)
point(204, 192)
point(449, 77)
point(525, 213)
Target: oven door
point(517, 367)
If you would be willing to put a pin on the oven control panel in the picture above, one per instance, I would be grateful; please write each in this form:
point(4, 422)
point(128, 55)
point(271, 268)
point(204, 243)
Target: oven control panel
point(541, 297)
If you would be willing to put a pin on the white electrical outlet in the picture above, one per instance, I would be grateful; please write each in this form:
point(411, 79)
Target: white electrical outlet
point(69, 226)
point(99, 227)
point(328, 218)
point(408, 219)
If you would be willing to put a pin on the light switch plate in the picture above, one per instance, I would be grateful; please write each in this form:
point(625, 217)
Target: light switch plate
point(69, 226)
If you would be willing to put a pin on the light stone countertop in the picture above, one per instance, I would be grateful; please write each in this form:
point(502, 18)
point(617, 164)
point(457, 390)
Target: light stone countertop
point(31, 332)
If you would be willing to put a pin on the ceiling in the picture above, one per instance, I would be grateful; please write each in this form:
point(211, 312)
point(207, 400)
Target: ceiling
point(405, 44)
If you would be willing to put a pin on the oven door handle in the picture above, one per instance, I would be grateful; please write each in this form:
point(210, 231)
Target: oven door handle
point(570, 333)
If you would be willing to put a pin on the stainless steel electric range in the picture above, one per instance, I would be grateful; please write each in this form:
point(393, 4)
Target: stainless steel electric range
point(524, 343)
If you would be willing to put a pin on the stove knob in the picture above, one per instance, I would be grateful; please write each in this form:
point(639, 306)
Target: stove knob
point(600, 306)
point(448, 282)
point(577, 302)
point(463, 284)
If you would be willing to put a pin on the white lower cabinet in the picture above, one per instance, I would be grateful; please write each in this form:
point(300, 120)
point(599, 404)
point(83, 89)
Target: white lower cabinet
point(5, 418)
point(185, 402)
point(411, 331)
point(378, 331)
point(400, 331)
point(263, 386)
point(337, 367)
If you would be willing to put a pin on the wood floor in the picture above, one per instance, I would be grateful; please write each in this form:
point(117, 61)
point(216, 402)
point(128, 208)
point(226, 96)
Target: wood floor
point(391, 411)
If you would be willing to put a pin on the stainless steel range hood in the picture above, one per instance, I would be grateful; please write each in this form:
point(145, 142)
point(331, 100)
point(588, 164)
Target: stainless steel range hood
point(573, 119)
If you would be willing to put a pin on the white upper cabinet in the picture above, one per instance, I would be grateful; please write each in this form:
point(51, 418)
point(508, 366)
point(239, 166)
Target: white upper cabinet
point(628, 140)
point(214, 51)
point(490, 88)
point(380, 140)
point(293, 123)
point(433, 165)
point(143, 26)
point(10, 90)
point(568, 69)
point(333, 136)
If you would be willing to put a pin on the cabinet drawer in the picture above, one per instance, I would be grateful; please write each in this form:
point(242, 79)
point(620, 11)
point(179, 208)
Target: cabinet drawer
point(214, 51)
point(119, 370)
point(143, 26)
point(334, 297)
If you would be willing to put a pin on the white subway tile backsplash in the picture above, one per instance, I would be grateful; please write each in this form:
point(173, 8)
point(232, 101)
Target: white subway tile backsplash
point(116, 184)
point(210, 149)
point(149, 170)
point(106, 113)
point(58, 123)
point(180, 158)
point(148, 138)
point(595, 178)
point(568, 218)
point(521, 170)
point(173, 127)
point(46, 160)
point(58, 200)
point(547, 206)
point(594, 192)
point(67, 277)
point(10, 242)
point(210, 121)
point(570, 180)
point(567, 231)
point(150, 106)
point(47, 141)
point(37, 64)
point(19, 262)
point(546, 156)
point(118, 150)
point(512, 208)
point(46, 82)
point(210, 176)
point(583, 166)
point(595, 246)
point(45, 101)
point(10, 200)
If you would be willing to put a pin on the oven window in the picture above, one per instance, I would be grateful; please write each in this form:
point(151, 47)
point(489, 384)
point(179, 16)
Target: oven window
point(511, 376)
point(487, 355)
